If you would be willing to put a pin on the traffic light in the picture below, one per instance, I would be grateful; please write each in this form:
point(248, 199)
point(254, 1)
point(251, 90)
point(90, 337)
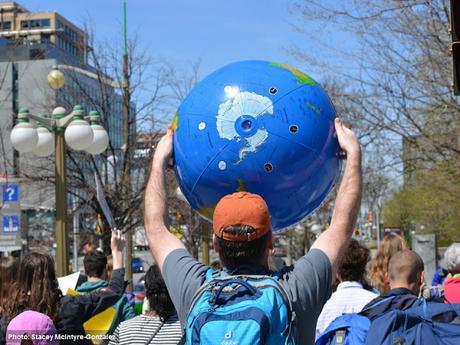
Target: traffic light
point(455, 50)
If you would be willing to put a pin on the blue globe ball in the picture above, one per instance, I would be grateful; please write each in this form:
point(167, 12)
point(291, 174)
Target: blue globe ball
point(261, 127)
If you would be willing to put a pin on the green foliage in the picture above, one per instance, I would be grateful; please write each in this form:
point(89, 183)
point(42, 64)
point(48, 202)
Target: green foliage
point(433, 201)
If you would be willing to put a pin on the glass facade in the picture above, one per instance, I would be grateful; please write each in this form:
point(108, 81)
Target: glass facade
point(69, 40)
point(35, 23)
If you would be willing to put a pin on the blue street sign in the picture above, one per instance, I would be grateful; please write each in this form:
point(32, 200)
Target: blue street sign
point(11, 223)
point(10, 193)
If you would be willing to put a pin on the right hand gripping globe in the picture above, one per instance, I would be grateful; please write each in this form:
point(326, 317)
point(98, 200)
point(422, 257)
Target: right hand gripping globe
point(261, 127)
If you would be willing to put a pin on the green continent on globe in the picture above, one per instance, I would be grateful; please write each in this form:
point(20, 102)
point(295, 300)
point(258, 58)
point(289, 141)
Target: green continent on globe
point(315, 109)
point(241, 186)
point(175, 122)
point(299, 75)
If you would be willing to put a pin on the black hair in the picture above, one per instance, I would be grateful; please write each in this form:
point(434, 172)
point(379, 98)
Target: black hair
point(157, 293)
point(95, 263)
point(353, 264)
point(234, 254)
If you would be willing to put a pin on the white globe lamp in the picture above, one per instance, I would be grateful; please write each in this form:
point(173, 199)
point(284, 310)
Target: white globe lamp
point(100, 136)
point(24, 136)
point(45, 144)
point(79, 134)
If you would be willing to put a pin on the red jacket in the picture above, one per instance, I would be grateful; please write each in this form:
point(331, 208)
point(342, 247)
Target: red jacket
point(452, 290)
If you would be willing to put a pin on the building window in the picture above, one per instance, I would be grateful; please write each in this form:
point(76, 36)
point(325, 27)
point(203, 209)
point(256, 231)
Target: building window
point(46, 38)
point(5, 25)
point(36, 54)
point(35, 23)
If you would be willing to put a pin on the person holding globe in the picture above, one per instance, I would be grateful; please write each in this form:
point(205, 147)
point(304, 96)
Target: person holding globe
point(243, 239)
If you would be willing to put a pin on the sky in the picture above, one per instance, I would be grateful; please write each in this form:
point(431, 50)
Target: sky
point(216, 32)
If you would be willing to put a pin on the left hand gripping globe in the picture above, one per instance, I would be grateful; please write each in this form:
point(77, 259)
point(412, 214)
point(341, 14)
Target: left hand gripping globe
point(260, 127)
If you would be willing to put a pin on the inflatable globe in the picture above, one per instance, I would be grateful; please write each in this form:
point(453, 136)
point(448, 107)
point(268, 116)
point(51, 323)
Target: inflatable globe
point(261, 127)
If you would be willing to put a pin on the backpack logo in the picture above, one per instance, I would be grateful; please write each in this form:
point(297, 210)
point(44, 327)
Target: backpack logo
point(227, 340)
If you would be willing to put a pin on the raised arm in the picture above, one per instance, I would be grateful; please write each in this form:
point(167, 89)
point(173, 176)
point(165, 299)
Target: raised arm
point(335, 239)
point(75, 310)
point(161, 241)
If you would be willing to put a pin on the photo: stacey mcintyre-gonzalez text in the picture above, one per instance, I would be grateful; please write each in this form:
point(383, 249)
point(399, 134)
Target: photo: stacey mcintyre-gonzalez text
point(17, 336)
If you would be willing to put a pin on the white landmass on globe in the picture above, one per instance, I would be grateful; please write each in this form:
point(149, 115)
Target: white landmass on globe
point(243, 103)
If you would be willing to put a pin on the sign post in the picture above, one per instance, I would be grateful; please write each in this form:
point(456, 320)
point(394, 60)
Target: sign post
point(10, 218)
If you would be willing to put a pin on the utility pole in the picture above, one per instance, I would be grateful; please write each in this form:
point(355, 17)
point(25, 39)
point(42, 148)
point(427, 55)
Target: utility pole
point(15, 96)
point(205, 237)
point(126, 184)
point(455, 46)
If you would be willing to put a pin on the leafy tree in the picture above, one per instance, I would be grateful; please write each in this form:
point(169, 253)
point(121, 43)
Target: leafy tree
point(432, 202)
point(391, 66)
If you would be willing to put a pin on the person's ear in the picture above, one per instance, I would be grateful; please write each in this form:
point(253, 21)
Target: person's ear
point(215, 245)
point(422, 277)
point(271, 242)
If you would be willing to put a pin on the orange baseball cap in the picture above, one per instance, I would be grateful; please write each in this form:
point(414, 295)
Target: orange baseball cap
point(241, 208)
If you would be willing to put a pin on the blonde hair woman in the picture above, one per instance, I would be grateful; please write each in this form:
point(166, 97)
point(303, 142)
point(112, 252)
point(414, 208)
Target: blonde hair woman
point(379, 266)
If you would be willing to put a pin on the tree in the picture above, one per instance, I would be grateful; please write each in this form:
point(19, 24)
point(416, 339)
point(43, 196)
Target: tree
point(395, 76)
point(431, 201)
point(98, 87)
point(401, 52)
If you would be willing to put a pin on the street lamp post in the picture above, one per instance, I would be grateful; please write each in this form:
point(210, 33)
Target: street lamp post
point(62, 235)
point(80, 135)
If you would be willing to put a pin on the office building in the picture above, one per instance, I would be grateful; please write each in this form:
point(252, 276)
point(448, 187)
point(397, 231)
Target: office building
point(31, 45)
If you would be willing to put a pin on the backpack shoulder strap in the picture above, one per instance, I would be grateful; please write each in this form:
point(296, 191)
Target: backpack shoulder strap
point(209, 274)
point(212, 274)
point(277, 275)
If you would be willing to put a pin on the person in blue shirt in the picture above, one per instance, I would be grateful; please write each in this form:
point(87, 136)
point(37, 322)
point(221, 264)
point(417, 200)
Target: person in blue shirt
point(440, 274)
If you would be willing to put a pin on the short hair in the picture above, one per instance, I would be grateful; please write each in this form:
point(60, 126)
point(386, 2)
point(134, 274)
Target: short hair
point(95, 262)
point(353, 264)
point(405, 266)
point(234, 254)
point(452, 258)
point(157, 294)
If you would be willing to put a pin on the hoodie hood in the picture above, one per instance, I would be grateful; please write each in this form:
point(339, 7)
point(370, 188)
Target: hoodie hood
point(91, 286)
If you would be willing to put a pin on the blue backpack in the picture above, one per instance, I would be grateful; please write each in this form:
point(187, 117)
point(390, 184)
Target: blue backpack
point(243, 310)
point(347, 329)
point(422, 323)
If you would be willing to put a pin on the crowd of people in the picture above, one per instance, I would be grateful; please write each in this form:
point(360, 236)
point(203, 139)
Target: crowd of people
point(238, 300)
